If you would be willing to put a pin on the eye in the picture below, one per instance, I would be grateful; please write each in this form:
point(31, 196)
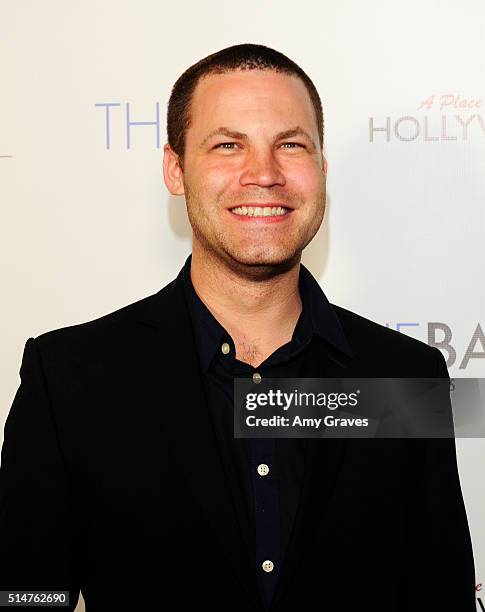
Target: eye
point(292, 145)
point(228, 146)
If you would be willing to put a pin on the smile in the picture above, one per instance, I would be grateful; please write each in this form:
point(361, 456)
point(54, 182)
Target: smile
point(260, 211)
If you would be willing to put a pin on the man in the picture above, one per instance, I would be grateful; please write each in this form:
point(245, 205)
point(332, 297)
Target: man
point(121, 475)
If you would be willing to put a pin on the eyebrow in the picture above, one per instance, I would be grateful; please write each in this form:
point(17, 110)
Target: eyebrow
point(291, 133)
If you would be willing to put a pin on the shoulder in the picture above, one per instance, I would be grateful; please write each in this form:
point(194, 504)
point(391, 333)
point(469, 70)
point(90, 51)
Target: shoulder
point(105, 335)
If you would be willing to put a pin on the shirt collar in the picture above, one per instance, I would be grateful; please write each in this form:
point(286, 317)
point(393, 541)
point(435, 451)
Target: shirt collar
point(322, 319)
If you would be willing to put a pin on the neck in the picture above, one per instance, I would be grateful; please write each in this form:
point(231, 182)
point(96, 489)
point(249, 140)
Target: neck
point(259, 306)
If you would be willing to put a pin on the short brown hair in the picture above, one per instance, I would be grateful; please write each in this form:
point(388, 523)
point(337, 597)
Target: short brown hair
point(238, 57)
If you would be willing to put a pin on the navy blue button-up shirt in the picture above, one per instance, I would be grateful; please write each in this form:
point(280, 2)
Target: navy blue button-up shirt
point(266, 504)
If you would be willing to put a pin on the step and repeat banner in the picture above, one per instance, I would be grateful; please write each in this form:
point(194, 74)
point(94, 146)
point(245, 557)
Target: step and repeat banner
point(87, 225)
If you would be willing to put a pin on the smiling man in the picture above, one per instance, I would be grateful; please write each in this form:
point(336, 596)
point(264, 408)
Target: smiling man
point(121, 476)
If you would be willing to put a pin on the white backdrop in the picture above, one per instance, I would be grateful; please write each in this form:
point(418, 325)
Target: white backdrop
point(87, 228)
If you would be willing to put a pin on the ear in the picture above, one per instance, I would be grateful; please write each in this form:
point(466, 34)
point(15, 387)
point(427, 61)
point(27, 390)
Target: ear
point(172, 171)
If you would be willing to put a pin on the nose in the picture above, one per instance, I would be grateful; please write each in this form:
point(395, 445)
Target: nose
point(262, 169)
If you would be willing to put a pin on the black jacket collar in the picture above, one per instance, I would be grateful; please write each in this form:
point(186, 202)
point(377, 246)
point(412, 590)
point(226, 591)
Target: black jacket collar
point(317, 317)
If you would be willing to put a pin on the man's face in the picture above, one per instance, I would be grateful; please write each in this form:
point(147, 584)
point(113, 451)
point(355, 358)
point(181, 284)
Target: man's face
point(252, 142)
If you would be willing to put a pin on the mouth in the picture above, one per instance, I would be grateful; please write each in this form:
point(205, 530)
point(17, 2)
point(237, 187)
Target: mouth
point(261, 210)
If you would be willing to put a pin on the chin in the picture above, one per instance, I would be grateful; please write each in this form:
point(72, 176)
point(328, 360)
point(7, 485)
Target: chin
point(262, 259)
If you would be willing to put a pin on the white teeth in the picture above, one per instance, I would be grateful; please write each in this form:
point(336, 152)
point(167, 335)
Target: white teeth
point(260, 211)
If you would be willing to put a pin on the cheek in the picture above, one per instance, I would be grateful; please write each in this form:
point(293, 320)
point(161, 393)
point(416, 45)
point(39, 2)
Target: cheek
point(218, 177)
point(308, 180)
point(204, 186)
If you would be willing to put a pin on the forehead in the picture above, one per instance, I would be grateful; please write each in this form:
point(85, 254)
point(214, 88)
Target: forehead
point(244, 98)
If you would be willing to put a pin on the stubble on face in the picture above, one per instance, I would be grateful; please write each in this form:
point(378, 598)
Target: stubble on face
point(252, 258)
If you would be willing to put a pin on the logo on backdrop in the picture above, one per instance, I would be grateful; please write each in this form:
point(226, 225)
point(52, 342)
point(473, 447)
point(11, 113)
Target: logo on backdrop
point(440, 335)
point(438, 118)
point(125, 121)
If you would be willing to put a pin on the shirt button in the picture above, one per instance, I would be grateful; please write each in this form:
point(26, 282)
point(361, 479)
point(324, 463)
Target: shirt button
point(257, 377)
point(225, 348)
point(263, 469)
point(267, 565)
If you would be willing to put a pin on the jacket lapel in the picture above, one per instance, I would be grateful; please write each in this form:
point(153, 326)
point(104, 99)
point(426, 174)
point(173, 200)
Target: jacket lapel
point(194, 443)
point(188, 429)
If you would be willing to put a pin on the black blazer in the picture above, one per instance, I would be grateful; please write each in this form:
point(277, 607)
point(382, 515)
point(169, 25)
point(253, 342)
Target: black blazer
point(111, 483)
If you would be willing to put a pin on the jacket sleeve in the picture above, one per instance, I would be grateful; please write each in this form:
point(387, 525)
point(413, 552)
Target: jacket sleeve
point(37, 549)
point(440, 573)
